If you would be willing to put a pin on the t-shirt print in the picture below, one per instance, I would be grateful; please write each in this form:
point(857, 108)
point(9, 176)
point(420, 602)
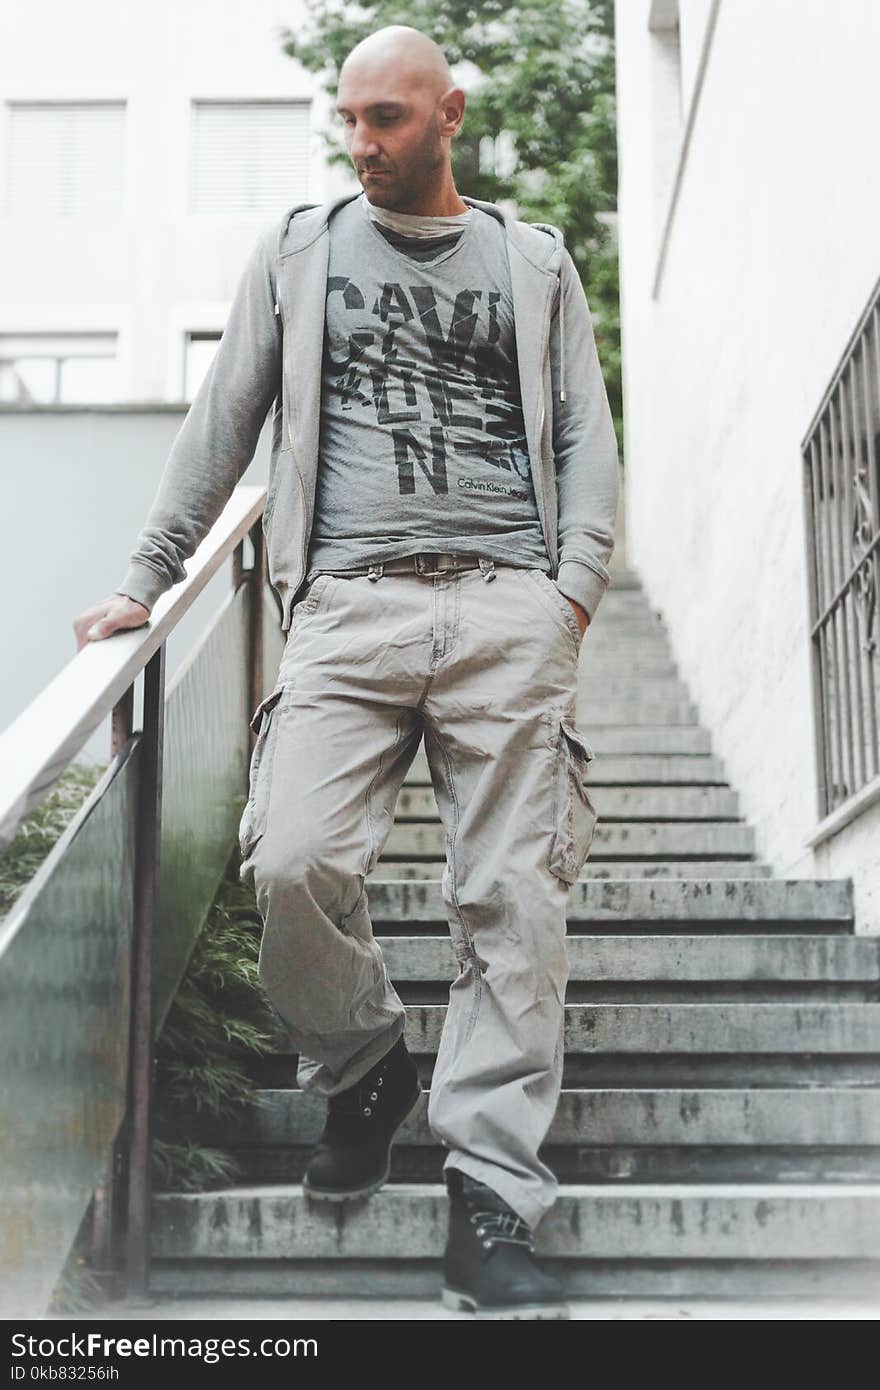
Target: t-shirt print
point(421, 369)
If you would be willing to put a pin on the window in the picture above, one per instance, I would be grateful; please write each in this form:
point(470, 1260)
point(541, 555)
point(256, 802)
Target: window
point(498, 155)
point(199, 354)
point(249, 157)
point(64, 368)
point(841, 454)
point(65, 157)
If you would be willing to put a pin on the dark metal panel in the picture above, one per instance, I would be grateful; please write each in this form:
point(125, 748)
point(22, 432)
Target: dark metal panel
point(207, 749)
point(65, 962)
point(206, 757)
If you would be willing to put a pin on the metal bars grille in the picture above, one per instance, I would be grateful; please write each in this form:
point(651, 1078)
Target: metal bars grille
point(841, 452)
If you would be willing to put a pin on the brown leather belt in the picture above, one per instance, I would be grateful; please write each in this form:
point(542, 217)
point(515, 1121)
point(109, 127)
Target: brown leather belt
point(424, 562)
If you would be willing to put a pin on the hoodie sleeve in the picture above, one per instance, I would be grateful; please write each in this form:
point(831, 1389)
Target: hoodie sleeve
point(218, 437)
point(585, 448)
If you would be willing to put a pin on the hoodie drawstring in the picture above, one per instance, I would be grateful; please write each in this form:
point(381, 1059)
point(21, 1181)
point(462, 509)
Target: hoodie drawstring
point(561, 341)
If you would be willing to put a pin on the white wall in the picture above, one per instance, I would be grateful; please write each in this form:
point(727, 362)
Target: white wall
point(75, 489)
point(156, 269)
point(772, 254)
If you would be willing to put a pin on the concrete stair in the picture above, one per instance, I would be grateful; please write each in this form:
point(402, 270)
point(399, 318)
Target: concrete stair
point(718, 1132)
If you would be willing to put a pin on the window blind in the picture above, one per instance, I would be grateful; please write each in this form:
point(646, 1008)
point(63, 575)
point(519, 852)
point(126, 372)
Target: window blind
point(249, 157)
point(65, 157)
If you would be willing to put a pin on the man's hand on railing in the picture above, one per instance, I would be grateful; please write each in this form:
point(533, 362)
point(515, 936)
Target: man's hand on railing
point(112, 614)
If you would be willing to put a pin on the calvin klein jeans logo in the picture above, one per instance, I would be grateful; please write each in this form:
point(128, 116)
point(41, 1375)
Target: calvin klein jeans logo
point(487, 485)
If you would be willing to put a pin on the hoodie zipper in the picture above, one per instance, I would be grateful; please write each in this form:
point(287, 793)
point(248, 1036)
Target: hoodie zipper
point(544, 351)
point(306, 509)
point(545, 348)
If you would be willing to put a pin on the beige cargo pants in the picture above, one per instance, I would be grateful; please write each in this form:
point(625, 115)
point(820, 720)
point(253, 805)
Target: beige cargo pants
point(482, 662)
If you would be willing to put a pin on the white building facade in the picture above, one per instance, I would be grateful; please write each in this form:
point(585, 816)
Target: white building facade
point(749, 234)
point(141, 148)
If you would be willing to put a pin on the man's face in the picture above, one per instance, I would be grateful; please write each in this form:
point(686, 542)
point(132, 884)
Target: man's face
point(391, 131)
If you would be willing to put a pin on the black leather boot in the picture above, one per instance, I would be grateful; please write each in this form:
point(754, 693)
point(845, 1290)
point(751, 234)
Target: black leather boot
point(489, 1267)
point(353, 1156)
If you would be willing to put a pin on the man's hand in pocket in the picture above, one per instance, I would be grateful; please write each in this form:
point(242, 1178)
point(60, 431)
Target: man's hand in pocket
point(580, 614)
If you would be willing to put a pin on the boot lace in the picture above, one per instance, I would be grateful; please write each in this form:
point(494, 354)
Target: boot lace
point(359, 1099)
point(493, 1226)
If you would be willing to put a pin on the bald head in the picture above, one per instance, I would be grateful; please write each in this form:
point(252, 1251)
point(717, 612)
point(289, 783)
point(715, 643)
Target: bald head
point(404, 51)
point(400, 108)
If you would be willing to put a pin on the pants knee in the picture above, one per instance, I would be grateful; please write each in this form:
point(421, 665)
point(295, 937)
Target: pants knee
point(308, 873)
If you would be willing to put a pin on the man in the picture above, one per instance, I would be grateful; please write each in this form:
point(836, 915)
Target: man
point(439, 521)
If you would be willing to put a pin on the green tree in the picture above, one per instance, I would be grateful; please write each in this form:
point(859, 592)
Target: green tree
point(539, 132)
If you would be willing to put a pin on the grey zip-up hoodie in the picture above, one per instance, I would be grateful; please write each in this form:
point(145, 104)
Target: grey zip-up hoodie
point(270, 356)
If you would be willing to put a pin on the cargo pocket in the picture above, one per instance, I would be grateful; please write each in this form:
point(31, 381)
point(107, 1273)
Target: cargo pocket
point(575, 814)
point(566, 612)
point(252, 822)
point(313, 597)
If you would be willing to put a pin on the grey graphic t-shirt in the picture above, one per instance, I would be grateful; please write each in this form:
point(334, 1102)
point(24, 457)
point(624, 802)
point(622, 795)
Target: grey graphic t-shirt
point(422, 443)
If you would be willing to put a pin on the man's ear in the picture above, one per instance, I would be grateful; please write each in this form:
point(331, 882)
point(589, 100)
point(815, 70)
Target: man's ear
point(451, 108)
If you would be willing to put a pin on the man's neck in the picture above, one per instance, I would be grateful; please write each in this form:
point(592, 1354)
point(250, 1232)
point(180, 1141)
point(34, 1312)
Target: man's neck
point(443, 202)
point(418, 224)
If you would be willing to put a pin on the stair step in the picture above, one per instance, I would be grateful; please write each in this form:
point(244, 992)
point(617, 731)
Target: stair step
point(338, 1286)
point(628, 604)
point(658, 740)
point(625, 655)
point(629, 839)
point(607, 1163)
point(186, 1305)
point(617, 595)
point(622, 685)
point(667, 904)
point(633, 804)
point(658, 664)
point(394, 870)
point(637, 770)
point(808, 1070)
point(622, 627)
point(595, 706)
point(700, 1221)
point(733, 1029)
point(651, 959)
point(612, 803)
point(735, 1117)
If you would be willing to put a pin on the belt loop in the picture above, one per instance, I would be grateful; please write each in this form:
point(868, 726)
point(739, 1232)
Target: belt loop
point(487, 568)
point(375, 570)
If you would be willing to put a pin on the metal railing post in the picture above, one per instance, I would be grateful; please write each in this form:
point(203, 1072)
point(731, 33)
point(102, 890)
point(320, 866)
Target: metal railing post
point(107, 1214)
point(149, 819)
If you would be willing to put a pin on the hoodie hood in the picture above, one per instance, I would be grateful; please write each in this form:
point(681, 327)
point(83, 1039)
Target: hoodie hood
point(541, 243)
point(556, 258)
